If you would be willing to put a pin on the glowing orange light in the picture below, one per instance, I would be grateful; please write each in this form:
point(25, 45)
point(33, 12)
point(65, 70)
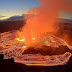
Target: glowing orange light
point(24, 47)
point(18, 39)
point(21, 39)
point(33, 38)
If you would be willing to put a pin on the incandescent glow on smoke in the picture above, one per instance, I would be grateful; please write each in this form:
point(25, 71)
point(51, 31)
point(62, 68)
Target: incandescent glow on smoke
point(45, 17)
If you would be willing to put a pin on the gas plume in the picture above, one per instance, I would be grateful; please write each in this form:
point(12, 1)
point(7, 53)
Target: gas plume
point(45, 17)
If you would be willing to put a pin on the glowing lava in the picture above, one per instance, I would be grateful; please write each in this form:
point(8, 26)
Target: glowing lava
point(33, 38)
point(24, 47)
point(21, 39)
point(14, 47)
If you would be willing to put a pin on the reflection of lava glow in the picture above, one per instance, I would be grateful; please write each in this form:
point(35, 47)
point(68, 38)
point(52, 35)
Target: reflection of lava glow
point(21, 39)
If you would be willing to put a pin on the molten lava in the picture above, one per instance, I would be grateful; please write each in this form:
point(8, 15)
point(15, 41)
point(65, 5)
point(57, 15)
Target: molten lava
point(14, 48)
point(20, 39)
point(33, 38)
point(24, 47)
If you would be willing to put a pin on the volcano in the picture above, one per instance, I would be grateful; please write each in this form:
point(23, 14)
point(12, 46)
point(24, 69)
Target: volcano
point(49, 50)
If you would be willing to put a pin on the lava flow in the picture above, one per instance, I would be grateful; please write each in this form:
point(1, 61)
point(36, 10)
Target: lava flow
point(12, 47)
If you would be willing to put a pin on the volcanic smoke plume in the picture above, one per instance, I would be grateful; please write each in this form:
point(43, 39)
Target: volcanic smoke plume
point(45, 17)
point(34, 33)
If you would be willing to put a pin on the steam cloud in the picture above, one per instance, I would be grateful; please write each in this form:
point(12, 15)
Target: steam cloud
point(45, 16)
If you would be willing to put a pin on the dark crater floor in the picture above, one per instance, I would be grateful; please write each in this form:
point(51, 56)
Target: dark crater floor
point(47, 50)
